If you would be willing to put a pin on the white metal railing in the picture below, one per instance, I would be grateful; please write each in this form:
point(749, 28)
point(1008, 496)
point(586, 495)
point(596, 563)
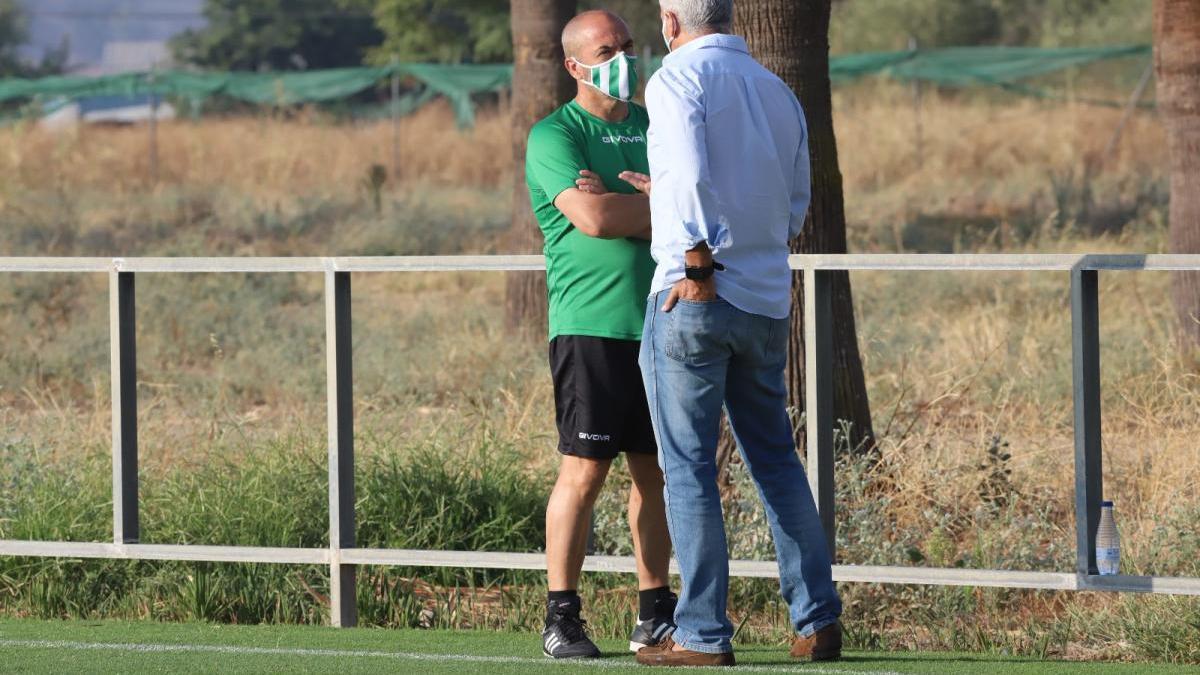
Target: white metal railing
point(343, 555)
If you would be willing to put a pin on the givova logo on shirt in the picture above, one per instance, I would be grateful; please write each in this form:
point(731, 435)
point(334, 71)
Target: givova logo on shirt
point(594, 437)
point(617, 139)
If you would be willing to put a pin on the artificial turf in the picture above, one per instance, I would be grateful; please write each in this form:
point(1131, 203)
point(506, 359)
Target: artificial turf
point(31, 646)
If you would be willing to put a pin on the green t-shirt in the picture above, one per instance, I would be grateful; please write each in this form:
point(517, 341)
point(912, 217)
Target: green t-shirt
point(597, 287)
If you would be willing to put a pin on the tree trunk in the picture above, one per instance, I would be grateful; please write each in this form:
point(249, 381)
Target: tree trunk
point(540, 84)
point(1177, 66)
point(791, 38)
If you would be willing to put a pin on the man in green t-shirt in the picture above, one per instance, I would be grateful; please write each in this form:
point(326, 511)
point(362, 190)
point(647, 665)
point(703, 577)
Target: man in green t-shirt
point(598, 272)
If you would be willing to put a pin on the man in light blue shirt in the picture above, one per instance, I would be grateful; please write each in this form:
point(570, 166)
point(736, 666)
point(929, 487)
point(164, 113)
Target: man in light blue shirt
point(728, 154)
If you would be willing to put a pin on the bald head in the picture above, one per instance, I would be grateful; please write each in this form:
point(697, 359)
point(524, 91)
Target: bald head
point(596, 36)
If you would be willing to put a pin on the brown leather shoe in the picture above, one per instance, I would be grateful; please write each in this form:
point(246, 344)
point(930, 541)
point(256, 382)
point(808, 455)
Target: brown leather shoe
point(664, 654)
point(823, 645)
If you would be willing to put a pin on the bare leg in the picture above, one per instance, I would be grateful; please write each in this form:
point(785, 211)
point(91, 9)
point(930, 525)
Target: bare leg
point(648, 522)
point(568, 517)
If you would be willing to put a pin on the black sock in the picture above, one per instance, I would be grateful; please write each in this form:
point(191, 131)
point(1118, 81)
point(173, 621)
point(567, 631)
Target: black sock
point(648, 598)
point(554, 598)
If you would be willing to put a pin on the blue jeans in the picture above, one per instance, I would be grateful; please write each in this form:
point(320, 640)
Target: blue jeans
point(695, 359)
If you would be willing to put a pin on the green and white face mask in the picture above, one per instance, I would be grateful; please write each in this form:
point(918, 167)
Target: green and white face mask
point(616, 78)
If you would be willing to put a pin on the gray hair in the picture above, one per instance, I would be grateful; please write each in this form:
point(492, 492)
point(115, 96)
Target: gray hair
point(701, 15)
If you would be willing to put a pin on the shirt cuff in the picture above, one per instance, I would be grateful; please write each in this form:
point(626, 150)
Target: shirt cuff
point(717, 240)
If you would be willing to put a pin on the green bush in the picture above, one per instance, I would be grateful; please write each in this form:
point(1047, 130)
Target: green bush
point(408, 498)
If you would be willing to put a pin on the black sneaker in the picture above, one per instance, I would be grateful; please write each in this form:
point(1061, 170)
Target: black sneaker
point(651, 632)
point(565, 636)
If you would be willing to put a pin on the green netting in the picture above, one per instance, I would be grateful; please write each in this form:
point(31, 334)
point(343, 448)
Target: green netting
point(954, 67)
point(456, 82)
point(853, 66)
point(966, 66)
point(970, 66)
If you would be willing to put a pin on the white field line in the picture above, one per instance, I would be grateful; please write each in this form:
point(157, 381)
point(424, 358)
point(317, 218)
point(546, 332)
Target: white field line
point(400, 656)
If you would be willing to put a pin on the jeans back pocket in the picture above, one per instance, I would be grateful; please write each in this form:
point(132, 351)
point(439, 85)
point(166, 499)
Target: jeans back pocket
point(696, 332)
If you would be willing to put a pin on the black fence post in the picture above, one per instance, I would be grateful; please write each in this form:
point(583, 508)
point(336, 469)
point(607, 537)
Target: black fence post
point(123, 372)
point(1085, 349)
point(818, 396)
point(340, 395)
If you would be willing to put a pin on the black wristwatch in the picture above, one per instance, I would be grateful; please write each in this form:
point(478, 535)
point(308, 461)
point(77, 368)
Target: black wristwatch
point(702, 273)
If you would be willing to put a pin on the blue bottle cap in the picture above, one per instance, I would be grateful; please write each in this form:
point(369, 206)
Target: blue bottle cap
point(1105, 503)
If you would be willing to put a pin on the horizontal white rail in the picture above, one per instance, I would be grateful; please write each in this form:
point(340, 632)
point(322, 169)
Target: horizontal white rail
point(765, 569)
point(245, 554)
point(980, 262)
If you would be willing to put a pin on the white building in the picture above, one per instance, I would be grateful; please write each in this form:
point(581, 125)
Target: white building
point(118, 57)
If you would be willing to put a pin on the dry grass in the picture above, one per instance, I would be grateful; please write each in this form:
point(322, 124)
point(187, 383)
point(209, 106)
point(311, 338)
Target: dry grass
point(272, 158)
point(980, 159)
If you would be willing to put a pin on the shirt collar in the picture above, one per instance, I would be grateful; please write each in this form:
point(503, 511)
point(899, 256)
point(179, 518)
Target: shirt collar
point(720, 40)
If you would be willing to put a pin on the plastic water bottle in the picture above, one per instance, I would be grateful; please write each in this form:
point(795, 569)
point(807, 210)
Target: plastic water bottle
point(1108, 542)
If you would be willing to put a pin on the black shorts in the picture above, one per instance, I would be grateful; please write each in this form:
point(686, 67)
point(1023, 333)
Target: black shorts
point(599, 398)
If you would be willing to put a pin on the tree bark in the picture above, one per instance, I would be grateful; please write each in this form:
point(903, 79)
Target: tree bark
point(540, 84)
point(791, 38)
point(1177, 66)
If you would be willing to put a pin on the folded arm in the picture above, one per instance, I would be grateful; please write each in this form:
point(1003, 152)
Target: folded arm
point(606, 216)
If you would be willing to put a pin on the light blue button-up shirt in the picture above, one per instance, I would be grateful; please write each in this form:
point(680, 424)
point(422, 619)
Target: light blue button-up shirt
point(728, 152)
